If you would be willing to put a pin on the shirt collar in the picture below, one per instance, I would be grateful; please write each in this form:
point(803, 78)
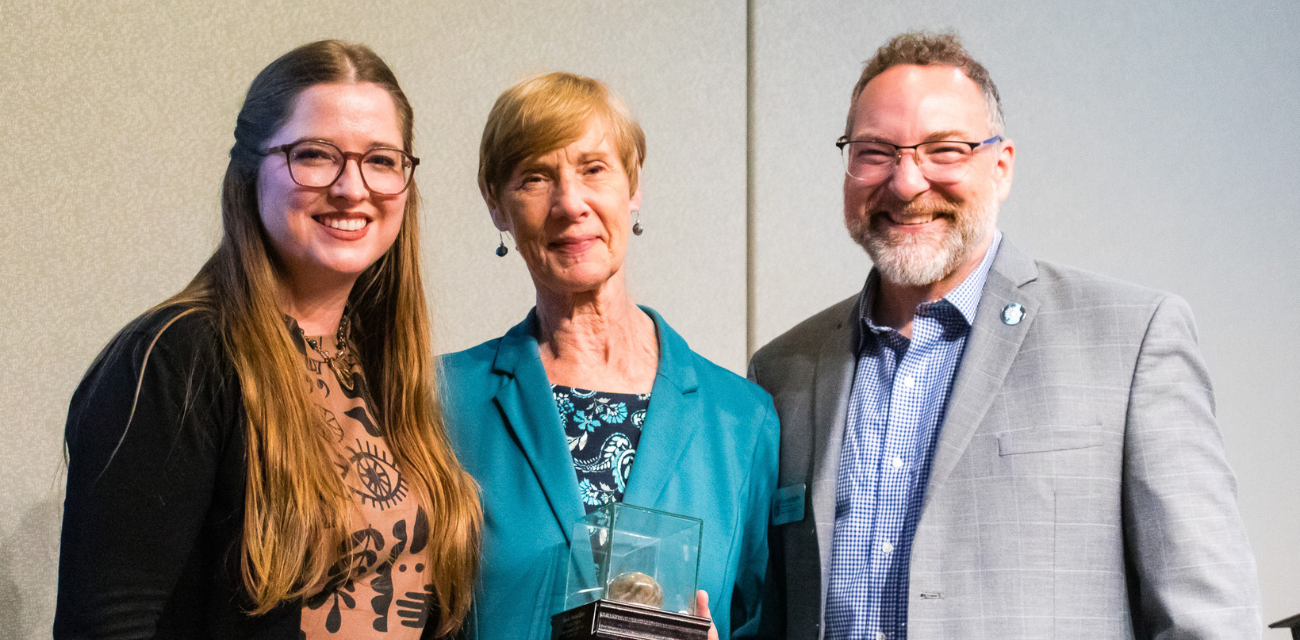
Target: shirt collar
point(965, 297)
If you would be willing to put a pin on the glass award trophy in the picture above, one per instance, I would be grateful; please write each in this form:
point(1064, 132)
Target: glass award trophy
point(632, 574)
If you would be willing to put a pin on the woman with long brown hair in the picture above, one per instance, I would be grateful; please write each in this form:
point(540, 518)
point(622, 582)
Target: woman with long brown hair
point(263, 454)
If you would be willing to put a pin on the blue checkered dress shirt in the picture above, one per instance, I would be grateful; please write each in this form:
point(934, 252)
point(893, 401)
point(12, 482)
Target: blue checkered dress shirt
point(900, 391)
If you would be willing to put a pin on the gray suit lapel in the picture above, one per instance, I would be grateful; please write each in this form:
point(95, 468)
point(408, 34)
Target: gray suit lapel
point(832, 382)
point(990, 350)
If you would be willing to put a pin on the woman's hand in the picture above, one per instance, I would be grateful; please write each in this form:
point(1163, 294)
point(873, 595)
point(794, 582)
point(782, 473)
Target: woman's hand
point(702, 610)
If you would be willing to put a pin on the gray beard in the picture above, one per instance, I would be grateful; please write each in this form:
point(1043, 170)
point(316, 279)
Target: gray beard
point(915, 261)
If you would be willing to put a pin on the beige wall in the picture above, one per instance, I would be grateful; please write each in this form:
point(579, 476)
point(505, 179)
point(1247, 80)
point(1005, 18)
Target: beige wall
point(1155, 145)
point(115, 122)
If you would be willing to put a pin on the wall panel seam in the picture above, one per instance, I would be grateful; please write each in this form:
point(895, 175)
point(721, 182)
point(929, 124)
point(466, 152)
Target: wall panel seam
point(751, 233)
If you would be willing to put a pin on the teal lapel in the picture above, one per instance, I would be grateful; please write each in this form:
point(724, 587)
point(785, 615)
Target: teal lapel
point(674, 415)
point(528, 406)
point(990, 350)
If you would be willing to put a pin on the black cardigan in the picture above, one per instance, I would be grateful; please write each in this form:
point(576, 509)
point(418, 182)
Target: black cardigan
point(154, 512)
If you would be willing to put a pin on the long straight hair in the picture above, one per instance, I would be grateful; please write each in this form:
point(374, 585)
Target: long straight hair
point(296, 504)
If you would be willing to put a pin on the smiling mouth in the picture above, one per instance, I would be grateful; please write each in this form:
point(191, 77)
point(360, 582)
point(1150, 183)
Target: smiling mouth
point(916, 214)
point(572, 244)
point(907, 221)
point(343, 223)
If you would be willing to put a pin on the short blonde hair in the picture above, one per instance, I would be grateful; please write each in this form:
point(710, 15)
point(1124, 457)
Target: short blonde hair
point(547, 112)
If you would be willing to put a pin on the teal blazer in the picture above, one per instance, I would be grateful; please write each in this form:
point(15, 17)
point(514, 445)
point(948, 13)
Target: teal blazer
point(708, 449)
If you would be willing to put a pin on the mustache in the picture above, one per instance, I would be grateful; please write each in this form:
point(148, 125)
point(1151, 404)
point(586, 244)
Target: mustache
point(927, 207)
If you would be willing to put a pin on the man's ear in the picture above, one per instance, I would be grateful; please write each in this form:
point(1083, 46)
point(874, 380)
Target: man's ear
point(1005, 168)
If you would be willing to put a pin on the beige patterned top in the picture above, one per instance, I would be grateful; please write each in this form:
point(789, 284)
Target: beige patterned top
point(389, 594)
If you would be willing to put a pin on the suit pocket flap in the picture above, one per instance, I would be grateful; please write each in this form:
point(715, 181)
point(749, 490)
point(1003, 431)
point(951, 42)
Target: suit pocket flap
point(1044, 440)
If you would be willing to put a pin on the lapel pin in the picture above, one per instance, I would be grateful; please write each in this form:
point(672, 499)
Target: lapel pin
point(1013, 313)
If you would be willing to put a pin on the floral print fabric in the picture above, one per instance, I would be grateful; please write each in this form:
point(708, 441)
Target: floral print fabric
point(603, 430)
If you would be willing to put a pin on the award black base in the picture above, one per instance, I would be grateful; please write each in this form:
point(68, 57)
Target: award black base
point(608, 619)
point(1292, 623)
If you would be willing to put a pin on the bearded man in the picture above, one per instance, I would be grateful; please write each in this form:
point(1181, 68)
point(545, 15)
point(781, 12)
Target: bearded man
point(980, 445)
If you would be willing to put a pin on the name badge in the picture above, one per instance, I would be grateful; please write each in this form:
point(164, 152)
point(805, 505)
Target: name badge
point(787, 504)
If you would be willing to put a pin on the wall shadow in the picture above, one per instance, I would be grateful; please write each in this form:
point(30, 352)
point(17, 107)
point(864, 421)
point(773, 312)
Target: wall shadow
point(29, 557)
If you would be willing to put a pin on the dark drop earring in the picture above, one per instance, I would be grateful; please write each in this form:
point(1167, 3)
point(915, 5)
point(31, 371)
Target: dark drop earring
point(637, 229)
point(502, 250)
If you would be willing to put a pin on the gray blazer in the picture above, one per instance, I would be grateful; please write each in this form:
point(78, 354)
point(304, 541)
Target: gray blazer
point(1079, 487)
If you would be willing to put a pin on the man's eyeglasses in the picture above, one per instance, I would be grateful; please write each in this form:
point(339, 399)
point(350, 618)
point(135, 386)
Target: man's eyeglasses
point(939, 161)
point(317, 164)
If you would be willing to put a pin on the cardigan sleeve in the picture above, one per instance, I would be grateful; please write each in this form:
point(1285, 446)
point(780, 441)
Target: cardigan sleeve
point(144, 439)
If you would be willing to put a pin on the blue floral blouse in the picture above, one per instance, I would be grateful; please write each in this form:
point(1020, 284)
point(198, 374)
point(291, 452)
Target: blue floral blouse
point(603, 430)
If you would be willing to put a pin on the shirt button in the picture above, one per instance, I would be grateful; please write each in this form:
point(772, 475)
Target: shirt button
point(909, 382)
point(898, 462)
point(880, 635)
point(887, 547)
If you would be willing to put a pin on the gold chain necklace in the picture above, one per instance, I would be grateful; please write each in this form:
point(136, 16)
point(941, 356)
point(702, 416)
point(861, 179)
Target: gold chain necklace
point(341, 362)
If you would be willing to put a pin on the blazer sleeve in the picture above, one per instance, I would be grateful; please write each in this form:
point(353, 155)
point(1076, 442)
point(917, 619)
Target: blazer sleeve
point(772, 610)
point(143, 442)
point(747, 597)
point(1193, 574)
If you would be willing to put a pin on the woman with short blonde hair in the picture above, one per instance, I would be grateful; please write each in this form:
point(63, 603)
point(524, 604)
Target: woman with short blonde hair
point(593, 399)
